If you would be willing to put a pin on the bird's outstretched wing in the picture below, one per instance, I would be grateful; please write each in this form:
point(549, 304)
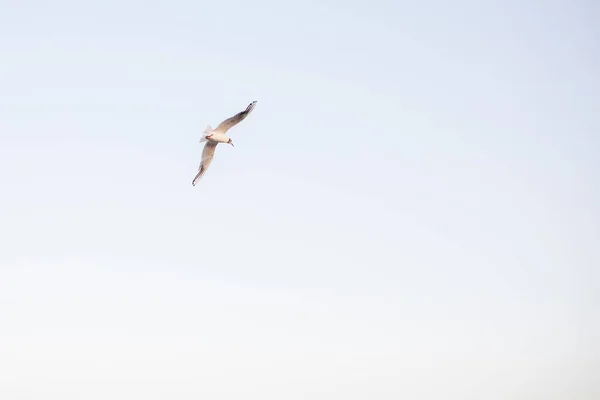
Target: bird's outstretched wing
point(236, 119)
point(207, 156)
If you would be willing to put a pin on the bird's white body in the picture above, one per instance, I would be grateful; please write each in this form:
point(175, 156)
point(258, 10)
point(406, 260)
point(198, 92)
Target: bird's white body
point(217, 137)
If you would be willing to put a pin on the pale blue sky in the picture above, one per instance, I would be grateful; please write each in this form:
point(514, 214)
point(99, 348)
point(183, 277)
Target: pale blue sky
point(411, 210)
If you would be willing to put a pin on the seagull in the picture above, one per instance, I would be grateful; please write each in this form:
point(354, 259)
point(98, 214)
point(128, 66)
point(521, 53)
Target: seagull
point(213, 137)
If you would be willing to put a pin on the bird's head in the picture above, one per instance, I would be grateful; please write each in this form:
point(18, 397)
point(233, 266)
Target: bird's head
point(230, 142)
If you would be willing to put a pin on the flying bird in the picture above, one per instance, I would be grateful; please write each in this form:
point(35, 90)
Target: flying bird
point(213, 137)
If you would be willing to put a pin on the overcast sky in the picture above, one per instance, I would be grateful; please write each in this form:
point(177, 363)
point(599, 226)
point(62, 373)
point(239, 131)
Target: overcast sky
point(412, 210)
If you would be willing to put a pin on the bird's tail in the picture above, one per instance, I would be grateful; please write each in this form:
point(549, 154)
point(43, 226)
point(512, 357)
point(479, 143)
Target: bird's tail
point(206, 132)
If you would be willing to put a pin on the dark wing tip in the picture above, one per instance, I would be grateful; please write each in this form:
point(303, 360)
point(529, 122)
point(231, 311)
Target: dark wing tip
point(249, 108)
